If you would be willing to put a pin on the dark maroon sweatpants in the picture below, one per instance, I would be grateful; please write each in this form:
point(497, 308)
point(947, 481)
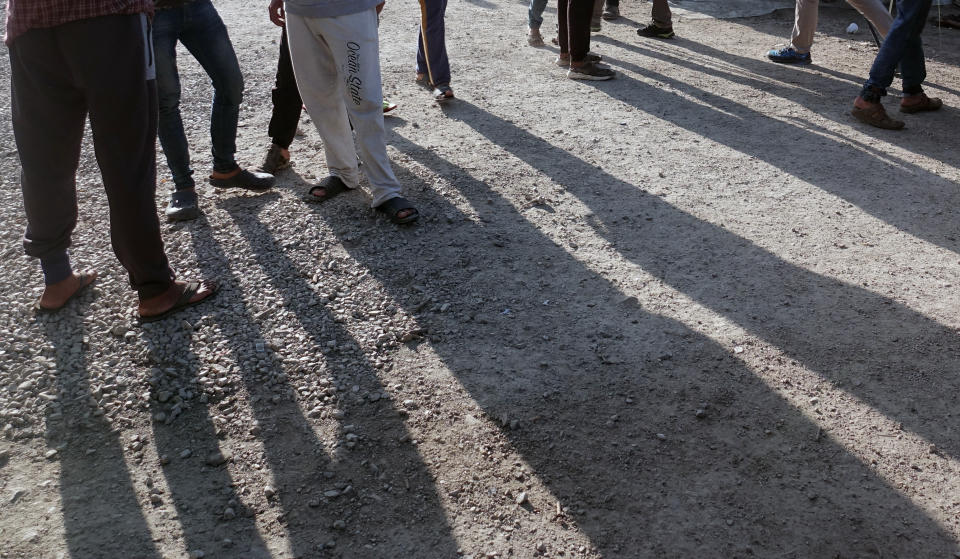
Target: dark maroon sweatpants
point(101, 67)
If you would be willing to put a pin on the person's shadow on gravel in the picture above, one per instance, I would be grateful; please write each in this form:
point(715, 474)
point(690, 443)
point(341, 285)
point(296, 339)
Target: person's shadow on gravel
point(653, 436)
point(347, 494)
point(97, 522)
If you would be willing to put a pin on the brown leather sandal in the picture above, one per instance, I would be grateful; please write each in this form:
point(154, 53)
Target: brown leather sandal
point(875, 115)
point(925, 104)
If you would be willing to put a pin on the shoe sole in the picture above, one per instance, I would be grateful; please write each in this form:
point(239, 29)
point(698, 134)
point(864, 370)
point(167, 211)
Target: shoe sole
point(589, 77)
point(790, 61)
point(183, 215)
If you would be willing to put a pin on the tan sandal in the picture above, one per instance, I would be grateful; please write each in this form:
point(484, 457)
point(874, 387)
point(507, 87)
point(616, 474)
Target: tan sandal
point(875, 115)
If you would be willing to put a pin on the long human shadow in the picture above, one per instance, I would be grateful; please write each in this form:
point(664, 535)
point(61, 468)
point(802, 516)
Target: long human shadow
point(386, 478)
point(200, 492)
point(880, 350)
point(892, 189)
point(605, 396)
point(101, 513)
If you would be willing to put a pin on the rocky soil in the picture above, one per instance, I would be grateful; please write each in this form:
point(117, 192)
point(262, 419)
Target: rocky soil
point(697, 311)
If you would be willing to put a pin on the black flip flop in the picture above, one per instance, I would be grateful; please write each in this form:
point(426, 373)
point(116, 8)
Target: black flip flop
point(332, 186)
point(394, 206)
point(184, 300)
point(84, 276)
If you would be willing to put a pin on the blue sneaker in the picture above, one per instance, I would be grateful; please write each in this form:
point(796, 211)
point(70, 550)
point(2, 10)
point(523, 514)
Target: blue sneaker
point(789, 55)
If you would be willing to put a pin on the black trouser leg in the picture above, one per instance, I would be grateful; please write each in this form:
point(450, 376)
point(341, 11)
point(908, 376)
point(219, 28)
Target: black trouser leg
point(574, 17)
point(287, 104)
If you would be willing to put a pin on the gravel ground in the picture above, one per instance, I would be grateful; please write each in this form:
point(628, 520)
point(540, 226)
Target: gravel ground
point(697, 311)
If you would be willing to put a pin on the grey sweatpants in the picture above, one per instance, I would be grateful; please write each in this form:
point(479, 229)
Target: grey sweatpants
point(337, 64)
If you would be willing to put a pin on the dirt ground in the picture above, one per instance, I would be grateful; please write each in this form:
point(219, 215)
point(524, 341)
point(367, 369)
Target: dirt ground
point(697, 311)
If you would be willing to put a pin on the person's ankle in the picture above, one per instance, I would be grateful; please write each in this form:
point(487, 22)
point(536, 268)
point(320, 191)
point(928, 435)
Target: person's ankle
point(862, 103)
point(227, 175)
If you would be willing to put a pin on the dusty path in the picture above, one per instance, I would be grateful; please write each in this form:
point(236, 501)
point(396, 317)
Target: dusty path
point(696, 311)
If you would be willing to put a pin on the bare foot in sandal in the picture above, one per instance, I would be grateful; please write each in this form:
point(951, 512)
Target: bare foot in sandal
point(56, 295)
point(179, 295)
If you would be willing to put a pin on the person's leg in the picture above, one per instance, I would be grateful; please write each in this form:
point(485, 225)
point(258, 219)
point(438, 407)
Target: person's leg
point(438, 69)
point(876, 13)
point(322, 89)
point(205, 36)
point(579, 13)
point(166, 33)
point(48, 112)
point(353, 44)
point(122, 100)
point(595, 24)
point(913, 67)
point(287, 104)
point(662, 17)
point(535, 13)
point(612, 10)
point(804, 25)
point(901, 47)
point(563, 32)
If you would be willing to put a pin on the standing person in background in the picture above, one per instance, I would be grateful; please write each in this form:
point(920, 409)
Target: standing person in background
point(334, 46)
point(662, 25)
point(903, 47)
point(805, 24)
point(433, 66)
point(197, 25)
point(68, 61)
point(574, 19)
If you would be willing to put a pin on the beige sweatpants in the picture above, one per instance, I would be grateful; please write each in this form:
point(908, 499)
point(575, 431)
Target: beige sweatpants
point(805, 22)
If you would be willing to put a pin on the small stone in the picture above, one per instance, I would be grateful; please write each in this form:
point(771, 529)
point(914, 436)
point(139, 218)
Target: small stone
point(541, 547)
point(186, 453)
point(700, 414)
point(661, 436)
point(218, 458)
point(374, 397)
point(269, 492)
point(521, 498)
point(17, 495)
point(410, 404)
point(50, 454)
point(339, 525)
point(314, 503)
point(229, 513)
point(119, 330)
point(331, 494)
point(164, 460)
point(331, 544)
point(155, 499)
point(197, 554)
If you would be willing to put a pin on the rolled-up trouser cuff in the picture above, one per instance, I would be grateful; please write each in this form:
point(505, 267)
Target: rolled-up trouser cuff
point(56, 268)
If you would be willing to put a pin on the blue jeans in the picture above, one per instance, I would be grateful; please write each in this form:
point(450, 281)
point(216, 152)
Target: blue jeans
point(198, 26)
point(535, 13)
point(902, 47)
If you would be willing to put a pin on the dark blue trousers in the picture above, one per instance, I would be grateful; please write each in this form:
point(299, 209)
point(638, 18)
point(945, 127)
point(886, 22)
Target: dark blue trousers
point(438, 69)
